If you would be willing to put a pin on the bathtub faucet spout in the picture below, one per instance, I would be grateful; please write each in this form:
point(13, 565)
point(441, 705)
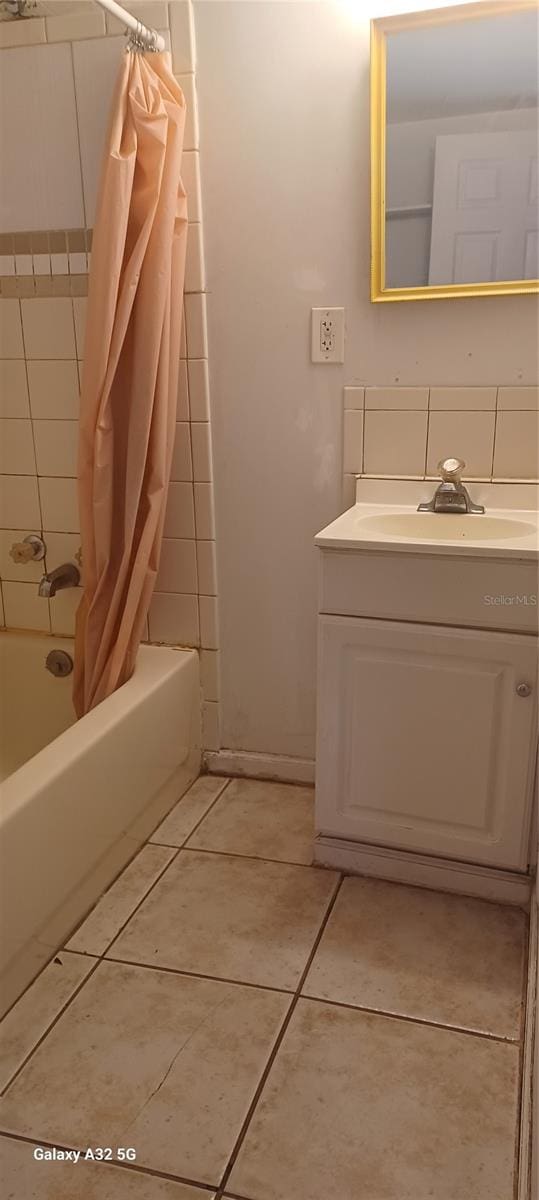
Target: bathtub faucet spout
point(68, 575)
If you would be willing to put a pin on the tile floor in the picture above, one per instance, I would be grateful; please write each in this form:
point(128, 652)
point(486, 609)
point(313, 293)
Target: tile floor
point(256, 1027)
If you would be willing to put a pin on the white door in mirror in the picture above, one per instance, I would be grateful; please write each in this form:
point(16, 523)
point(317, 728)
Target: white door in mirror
point(327, 335)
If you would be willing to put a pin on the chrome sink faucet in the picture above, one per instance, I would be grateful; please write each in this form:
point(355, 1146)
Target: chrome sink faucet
point(68, 575)
point(451, 496)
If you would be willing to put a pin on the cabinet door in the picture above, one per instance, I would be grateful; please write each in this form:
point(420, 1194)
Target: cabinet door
point(423, 741)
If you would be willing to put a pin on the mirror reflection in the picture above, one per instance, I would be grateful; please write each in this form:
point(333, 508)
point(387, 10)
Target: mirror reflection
point(461, 152)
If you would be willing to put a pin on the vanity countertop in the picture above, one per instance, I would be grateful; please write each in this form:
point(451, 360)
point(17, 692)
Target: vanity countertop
point(385, 517)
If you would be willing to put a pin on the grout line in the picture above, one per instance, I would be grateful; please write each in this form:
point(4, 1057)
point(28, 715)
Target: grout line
point(494, 434)
point(53, 1022)
point(281, 862)
point(181, 971)
point(277, 1044)
point(126, 1166)
point(394, 1016)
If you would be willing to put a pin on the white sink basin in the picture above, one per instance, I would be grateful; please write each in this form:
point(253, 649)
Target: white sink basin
point(444, 526)
point(385, 517)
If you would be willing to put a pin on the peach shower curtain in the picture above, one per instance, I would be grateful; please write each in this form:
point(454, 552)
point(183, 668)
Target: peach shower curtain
point(130, 376)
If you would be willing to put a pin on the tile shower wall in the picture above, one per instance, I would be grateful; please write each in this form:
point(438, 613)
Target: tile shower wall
point(45, 245)
point(403, 432)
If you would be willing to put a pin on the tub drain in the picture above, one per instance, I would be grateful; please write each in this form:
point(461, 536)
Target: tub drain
point(59, 663)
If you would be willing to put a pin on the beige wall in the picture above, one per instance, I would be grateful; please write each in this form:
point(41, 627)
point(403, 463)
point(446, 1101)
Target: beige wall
point(57, 78)
point(284, 109)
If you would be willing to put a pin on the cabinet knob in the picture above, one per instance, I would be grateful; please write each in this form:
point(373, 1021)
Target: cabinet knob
point(524, 689)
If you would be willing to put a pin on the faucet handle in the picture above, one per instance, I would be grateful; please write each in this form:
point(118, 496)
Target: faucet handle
point(31, 549)
point(451, 469)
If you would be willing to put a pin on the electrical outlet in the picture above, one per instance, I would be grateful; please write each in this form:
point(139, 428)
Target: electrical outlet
point(327, 344)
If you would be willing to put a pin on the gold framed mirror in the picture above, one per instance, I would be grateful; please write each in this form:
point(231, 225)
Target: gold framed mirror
point(454, 126)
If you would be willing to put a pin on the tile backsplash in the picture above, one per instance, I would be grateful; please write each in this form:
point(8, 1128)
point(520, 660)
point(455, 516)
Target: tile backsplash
point(403, 432)
point(45, 250)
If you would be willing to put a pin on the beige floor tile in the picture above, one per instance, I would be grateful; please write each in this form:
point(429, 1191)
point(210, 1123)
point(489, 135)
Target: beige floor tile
point(114, 908)
point(267, 820)
point(153, 1060)
point(24, 1178)
point(235, 918)
point(188, 812)
point(363, 1107)
point(443, 958)
point(37, 1008)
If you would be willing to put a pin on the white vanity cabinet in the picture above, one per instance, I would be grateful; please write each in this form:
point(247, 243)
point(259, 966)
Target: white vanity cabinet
point(426, 738)
point(427, 694)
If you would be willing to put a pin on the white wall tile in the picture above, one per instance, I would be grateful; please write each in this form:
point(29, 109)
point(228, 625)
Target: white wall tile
point(19, 503)
point(63, 609)
point(517, 445)
point(22, 33)
point(196, 327)
point(182, 466)
point(354, 397)
point(78, 263)
point(24, 609)
point(11, 343)
point(153, 13)
point(353, 441)
point(7, 264)
point(48, 327)
point(180, 515)
point(59, 264)
point(182, 36)
point(199, 389)
point(204, 511)
point(177, 567)
point(182, 411)
point(28, 572)
point(470, 399)
point(42, 264)
point(397, 397)
point(174, 619)
point(194, 264)
point(79, 316)
point(518, 397)
point(40, 190)
point(209, 674)
point(57, 444)
point(191, 183)
point(395, 443)
point(211, 738)
point(59, 505)
point(209, 625)
point(71, 26)
point(13, 388)
point(207, 568)
point(466, 435)
point(54, 389)
point(17, 447)
point(187, 84)
point(61, 547)
point(24, 264)
point(202, 455)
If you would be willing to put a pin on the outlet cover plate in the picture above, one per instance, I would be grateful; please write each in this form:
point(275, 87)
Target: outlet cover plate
point(327, 335)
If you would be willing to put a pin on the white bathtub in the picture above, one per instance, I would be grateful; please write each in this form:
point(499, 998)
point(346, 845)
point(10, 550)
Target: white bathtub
point(81, 796)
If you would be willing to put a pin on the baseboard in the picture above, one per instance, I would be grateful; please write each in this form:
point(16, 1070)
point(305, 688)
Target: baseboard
point(402, 866)
point(527, 1188)
point(259, 766)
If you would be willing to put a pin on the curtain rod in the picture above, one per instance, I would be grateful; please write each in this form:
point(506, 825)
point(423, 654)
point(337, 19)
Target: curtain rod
point(148, 37)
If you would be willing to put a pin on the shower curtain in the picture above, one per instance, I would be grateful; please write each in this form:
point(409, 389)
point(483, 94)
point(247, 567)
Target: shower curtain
point(130, 375)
